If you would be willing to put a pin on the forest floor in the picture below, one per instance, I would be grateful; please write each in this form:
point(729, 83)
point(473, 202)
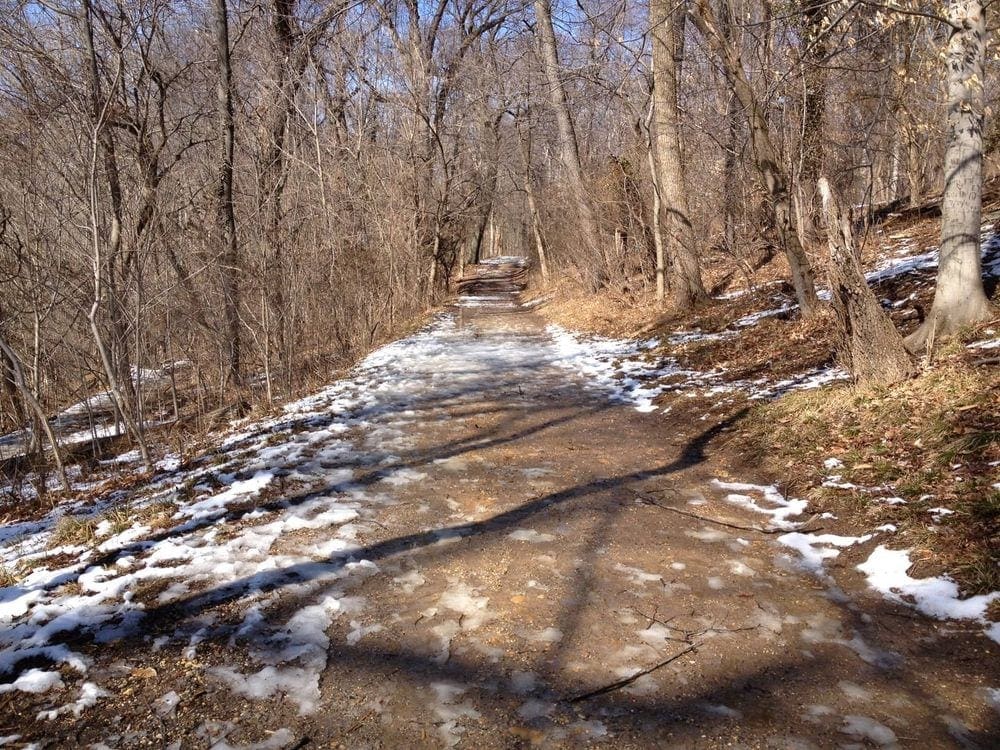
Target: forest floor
point(496, 533)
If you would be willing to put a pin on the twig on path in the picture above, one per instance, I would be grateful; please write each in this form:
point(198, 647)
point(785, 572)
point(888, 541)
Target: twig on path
point(706, 519)
point(357, 725)
point(629, 680)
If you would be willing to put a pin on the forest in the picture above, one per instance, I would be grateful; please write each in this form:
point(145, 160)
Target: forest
point(317, 262)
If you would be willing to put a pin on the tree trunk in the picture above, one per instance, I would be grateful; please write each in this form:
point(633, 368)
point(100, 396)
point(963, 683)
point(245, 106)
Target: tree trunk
point(686, 288)
point(814, 133)
point(225, 211)
point(529, 191)
point(765, 156)
point(867, 342)
point(17, 371)
point(730, 185)
point(959, 298)
point(568, 147)
point(654, 178)
point(114, 358)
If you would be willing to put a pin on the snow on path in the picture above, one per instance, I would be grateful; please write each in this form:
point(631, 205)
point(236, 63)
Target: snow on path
point(885, 569)
point(326, 465)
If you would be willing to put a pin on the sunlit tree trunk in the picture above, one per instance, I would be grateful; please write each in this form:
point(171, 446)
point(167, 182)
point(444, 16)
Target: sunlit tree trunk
point(959, 298)
point(867, 342)
point(225, 211)
point(569, 150)
point(765, 155)
point(686, 288)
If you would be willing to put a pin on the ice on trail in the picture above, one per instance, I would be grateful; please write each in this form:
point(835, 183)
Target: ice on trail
point(449, 711)
point(323, 442)
point(309, 479)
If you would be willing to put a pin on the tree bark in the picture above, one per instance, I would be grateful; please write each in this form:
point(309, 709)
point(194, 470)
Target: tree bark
point(867, 342)
point(813, 122)
point(529, 192)
point(17, 371)
point(686, 287)
point(959, 298)
point(225, 210)
point(765, 156)
point(654, 178)
point(569, 150)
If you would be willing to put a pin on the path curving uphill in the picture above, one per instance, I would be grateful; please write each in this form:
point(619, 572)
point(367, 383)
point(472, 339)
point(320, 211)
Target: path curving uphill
point(470, 542)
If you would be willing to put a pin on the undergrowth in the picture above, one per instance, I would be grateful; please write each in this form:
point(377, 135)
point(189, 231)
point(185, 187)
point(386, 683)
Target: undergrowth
point(933, 441)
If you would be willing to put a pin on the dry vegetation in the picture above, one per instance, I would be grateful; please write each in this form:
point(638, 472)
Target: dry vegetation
point(933, 441)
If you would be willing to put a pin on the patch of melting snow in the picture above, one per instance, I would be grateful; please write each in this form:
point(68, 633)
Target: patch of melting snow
point(535, 709)
point(939, 513)
point(33, 680)
point(637, 575)
point(462, 598)
point(546, 635)
point(865, 728)
point(886, 571)
point(450, 711)
point(815, 549)
point(823, 629)
point(530, 535)
point(279, 739)
point(783, 507)
point(719, 709)
point(90, 693)
point(985, 344)
point(891, 500)
point(854, 691)
point(707, 534)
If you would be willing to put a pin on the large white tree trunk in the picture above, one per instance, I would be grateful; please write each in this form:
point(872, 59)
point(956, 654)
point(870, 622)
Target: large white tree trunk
point(959, 298)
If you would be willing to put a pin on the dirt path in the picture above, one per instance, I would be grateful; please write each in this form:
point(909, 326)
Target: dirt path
point(497, 568)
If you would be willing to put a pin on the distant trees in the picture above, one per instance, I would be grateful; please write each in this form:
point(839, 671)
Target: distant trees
point(275, 213)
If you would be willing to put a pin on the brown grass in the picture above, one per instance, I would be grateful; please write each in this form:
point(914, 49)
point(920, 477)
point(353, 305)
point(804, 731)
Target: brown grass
point(930, 441)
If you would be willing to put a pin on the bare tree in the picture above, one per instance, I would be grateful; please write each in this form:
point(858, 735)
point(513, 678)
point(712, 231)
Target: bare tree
point(959, 298)
point(225, 211)
point(569, 150)
point(867, 342)
point(666, 22)
point(766, 157)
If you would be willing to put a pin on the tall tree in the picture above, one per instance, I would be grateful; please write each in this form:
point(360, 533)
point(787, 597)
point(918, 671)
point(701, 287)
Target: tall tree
point(814, 135)
point(765, 154)
point(225, 210)
point(667, 26)
point(959, 298)
point(569, 150)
